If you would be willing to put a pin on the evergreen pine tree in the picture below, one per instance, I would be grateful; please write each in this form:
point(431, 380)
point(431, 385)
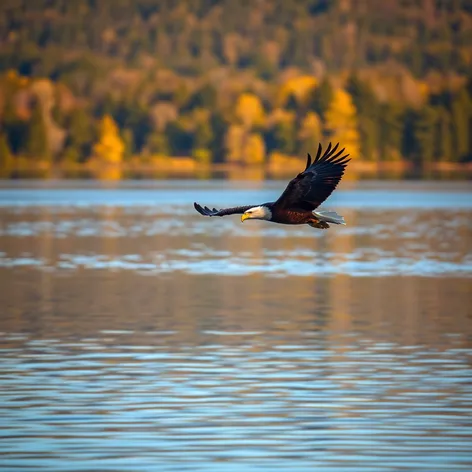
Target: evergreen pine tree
point(158, 144)
point(369, 137)
point(424, 129)
point(203, 135)
point(391, 131)
point(284, 136)
point(367, 108)
point(219, 127)
point(205, 97)
point(16, 130)
point(362, 95)
point(6, 157)
point(37, 141)
point(80, 135)
point(461, 115)
point(292, 104)
point(445, 150)
point(128, 140)
point(321, 97)
point(179, 139)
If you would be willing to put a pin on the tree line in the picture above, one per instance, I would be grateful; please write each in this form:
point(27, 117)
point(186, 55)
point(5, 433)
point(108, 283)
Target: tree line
point(237, 82)
point(42, 121)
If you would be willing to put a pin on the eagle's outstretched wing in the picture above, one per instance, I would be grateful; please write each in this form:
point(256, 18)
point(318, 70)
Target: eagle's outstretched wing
point(316, 183)
point(205, 211)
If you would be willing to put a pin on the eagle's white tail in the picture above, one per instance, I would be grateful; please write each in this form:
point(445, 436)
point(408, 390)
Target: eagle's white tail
point(330, 217)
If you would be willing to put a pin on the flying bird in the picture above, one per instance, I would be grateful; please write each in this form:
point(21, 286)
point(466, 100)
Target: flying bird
point(302, 196)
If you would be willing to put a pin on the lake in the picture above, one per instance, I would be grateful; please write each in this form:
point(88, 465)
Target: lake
point(137, 335)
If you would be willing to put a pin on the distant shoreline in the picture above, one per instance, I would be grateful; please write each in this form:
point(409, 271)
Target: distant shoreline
point(183, 166)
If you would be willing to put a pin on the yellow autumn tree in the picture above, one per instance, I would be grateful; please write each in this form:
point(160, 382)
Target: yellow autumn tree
point(341, 122)
point(234, 143)
point(254, 149)
point(110, 147)
point(300, 87)
point(249, 110)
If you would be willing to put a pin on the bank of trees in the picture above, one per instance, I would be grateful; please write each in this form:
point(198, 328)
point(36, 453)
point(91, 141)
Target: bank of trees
point(224, 81)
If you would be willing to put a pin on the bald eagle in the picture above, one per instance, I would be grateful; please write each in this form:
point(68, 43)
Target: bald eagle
point(302, 196)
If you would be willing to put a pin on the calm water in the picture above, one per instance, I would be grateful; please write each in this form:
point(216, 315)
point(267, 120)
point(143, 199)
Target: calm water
point(136, 335)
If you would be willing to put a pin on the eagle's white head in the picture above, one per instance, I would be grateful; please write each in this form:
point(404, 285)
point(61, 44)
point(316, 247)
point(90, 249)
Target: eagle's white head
point(257, 213)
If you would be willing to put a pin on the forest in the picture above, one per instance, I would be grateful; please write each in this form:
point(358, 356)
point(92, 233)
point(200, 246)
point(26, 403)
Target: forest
point(226, 82)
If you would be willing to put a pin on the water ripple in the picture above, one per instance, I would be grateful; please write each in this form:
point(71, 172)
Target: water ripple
point(137, 335)
point(312, 406)
point(275, 264)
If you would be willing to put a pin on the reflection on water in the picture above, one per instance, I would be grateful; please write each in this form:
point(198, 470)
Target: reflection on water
point(141, 336)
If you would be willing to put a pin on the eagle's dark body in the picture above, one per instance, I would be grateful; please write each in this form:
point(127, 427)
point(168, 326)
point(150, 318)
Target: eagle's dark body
point(302, 196)
point(292, 217)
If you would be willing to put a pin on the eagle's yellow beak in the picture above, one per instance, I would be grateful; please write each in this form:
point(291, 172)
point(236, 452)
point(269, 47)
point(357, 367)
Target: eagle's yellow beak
point(244, 216)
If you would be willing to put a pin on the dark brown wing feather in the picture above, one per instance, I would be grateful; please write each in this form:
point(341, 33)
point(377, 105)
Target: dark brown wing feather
point(205, 211)
point(315, 184)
